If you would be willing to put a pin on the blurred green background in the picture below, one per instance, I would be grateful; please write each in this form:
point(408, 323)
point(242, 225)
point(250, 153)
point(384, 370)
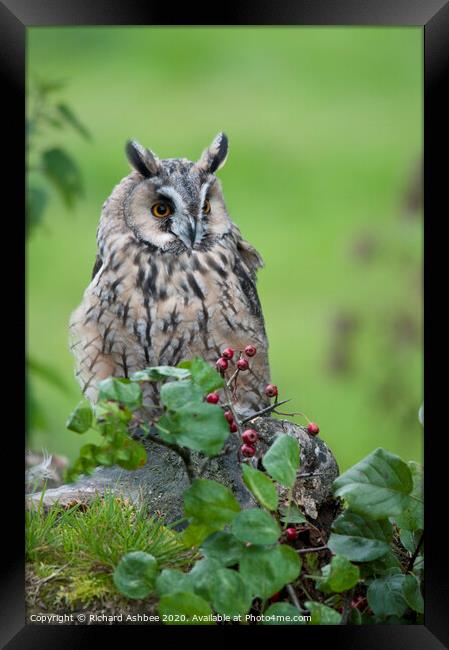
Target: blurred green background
point(323, 177)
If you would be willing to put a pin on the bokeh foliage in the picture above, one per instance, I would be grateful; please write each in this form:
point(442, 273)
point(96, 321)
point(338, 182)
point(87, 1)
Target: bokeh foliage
point(325, 130)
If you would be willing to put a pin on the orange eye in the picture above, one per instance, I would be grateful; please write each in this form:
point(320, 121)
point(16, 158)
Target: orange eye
point(206, 206)
point(161, 210)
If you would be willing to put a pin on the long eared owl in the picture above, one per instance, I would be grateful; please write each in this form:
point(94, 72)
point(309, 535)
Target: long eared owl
point(173, 278)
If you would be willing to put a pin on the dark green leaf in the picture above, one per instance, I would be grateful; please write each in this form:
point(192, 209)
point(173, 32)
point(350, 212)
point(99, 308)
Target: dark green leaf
point(386, 595)
point(121, 390)
point(282, 460)
point(266, 571)
point(37, 199)
point(131, 455)
point(261, 486)
point(184, 608)
point(135, 575)
point(412, 515)
point(378, 486)
point(322, 615)
point(209, 503)
point(158, 373)
point(410, 539)
point(223, 547)
point(360, 539)
point(412, 594)
point(282, 614)
point(202, 576)
point(72, 120)
point(80, 420)
point(205, 376)
point(62, 171)
point(176, 394)
point(291, 514)
point(199, 426)
point(229, 594)
point(256, 526)
point(170, 581)
point(340, 575)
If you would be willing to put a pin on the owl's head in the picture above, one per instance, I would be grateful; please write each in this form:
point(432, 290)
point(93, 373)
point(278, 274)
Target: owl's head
point(175, 204)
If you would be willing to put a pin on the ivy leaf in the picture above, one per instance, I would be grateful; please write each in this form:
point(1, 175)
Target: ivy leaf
point(282, 614)
point(62, 171)
point(291, 514)
point(282, 460)
point(135, 574)
point(176, 394)
point(223, 547)
point(202, 576)
point(256, 526)
point(158, 373)
point(121, 390)
point(184, 608)
point(203, 374)
point(261, 486)
point(229, 594)
point(80, 420)
point(201, 427)
point(378, 486)
point(37, 199)
point(340, 575)
point(170, 581)
point(266, 571)
point(360, 539)
point(322, 614)
point(209, 503)
point(70, 118)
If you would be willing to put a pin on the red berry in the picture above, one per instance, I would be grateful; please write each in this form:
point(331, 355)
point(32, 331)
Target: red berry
point(228, 353)
point(212, 398)
point(233, 427)
point(271, 390)
point(275, 597)
point(250, 436)
point(313, 428)
point(242, 364)
point(228, 415)
point(292, 534)
point(248, 450)
point(222, 364)
point(250, 350)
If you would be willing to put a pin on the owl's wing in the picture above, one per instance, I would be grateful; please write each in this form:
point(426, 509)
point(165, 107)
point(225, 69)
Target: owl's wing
point(250, 256)
point(97, 266)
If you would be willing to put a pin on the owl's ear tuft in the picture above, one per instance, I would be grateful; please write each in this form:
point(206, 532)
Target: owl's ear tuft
point(214, 157)
point(143, 160)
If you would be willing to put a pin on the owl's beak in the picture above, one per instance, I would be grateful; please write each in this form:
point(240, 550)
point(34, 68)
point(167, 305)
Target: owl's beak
point(188, 230)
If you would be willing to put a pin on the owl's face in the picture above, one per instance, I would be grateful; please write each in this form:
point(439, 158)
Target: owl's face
point(176, 204)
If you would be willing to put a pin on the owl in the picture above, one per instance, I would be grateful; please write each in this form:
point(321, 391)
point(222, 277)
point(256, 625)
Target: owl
point(173, 278)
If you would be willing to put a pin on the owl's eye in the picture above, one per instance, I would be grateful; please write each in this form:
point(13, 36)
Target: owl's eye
point(161, 210)
point(206, 206)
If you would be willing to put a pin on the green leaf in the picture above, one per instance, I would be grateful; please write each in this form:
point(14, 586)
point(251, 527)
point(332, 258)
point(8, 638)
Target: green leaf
point(282, 614)
point(229, 594)
point(121, 390)
point(360, 539)
point(201, 427)
point(37, 199)
point(205, 376)
point(71, 119)
point(266, 571)
point(340, 575)
point(202, 576)
point(80, 420)
point(282, 460)
point(176, 394)
point(184, 608)
point(412, 594)
point(223, 547)
point(291, 514)
point(209, 503)
point(158, 373)
point(171, 581)
point(378, 486)
point(385, 565)
point(195, 534)
point(410, 539)
point(386, 595)
point(131, 455)
point(256, 526)
point(62, 171)
point(412, 515)
point(261, 486)
point(322, 614)
point(135, 574)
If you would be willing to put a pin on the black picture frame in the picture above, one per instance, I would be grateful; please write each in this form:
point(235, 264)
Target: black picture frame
point(433, 16)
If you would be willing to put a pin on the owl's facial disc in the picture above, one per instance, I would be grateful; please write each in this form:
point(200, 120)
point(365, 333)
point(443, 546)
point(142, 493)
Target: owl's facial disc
point(186, 222)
